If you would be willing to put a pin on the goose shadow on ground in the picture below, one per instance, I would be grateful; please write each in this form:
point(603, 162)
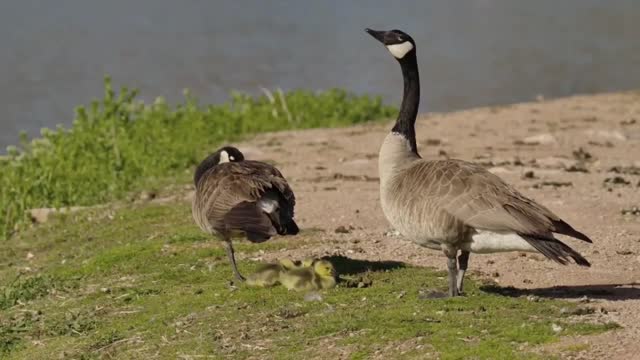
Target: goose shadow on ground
point(348, 266)
point(612, 292)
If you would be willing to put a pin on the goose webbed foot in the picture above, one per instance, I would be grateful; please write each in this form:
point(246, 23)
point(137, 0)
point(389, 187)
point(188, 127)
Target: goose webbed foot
point(463, 263)
point(232, 259)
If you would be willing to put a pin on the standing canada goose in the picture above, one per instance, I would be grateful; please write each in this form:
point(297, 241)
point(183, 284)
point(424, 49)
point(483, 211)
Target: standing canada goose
point(454, 205)
point(234, 195)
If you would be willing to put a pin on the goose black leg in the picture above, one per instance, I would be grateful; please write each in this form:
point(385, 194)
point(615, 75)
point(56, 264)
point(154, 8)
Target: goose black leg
point(232, 259)
point(453, 273)
point(463, 262)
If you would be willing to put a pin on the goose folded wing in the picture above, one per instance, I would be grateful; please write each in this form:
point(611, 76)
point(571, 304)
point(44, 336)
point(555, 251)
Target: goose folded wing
point(277, 182)
point(236, 193)
point(482, 200)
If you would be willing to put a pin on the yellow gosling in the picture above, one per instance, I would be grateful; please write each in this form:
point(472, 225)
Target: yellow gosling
point(320, 276)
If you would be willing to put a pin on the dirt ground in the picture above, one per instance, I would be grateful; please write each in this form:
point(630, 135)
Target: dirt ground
point(579, 156)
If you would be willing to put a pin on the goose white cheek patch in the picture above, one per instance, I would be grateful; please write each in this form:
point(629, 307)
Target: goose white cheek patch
point(224, 157)
point(400, 50)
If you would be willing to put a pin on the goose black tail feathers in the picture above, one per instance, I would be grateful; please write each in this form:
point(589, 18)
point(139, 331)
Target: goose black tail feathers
point(562, 227)
point(555, 250)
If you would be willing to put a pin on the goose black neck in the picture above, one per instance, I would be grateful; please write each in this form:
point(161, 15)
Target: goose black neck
point(405, 124)
point(206, 164)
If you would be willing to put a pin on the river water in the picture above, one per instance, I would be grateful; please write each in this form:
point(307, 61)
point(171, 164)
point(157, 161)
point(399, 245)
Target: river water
point(53, 54)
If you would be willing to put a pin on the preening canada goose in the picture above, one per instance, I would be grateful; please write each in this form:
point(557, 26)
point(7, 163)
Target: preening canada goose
point(321, 275)
point(234, 195)
point(453, 205)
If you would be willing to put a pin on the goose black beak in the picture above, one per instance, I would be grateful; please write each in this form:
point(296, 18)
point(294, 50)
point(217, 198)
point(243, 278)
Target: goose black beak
point(378, 35)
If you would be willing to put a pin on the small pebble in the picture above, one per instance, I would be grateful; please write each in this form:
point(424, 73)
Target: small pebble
point(313, 296)
point(147, 195)
point(541, 139)
point(564, 311)
point(342, 230)
point(529, 174)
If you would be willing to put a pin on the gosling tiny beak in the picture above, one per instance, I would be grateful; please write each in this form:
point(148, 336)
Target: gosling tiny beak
point(378, 35)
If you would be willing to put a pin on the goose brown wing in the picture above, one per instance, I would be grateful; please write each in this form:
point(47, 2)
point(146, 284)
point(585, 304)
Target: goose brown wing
point(277, 183)
point(483, 201)
point(248, 217)
point(226, 196)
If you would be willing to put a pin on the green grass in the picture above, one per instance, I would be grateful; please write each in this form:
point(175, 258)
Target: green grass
point(118, 144)
point(143, 282)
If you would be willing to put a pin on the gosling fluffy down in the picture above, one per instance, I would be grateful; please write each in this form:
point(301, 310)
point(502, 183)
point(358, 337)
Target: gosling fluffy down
point(322, 275)
point(268, 275)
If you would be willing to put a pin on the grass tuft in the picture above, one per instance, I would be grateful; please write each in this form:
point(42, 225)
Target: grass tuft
point(23, 290)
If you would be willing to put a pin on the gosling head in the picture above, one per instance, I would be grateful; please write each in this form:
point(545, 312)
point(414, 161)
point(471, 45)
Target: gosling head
point(324, 268)
point(399, 44)
point(228, 154)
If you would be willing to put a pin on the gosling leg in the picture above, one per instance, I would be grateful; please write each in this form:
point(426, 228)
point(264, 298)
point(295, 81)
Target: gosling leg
point(232, 259)
point(463, 262)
